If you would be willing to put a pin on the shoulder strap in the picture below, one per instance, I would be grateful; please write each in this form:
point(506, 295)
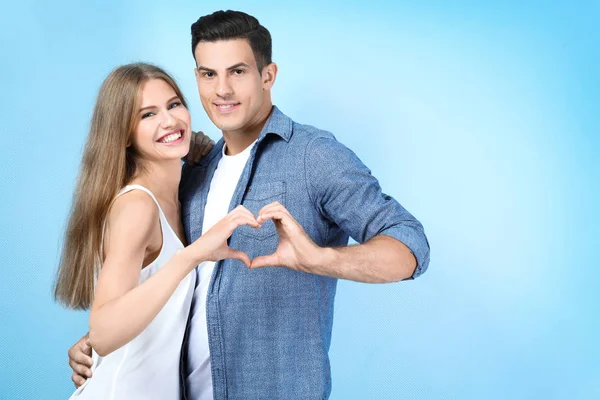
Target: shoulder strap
point(126, 189)
point(129, 188)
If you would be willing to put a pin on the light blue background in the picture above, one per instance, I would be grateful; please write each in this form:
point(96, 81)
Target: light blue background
point(482, 120)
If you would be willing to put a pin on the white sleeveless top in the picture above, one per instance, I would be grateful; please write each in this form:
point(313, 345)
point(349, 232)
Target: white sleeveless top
point(148, 366)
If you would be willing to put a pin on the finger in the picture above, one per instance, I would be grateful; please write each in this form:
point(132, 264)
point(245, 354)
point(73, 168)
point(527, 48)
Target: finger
point(196, 148)
point(278, 207)
point(193, 139)
point(80, 369)
point(246, 213)
point(77, 380)
point(241, 211)
point(276, 215)
point(202, 145)
point(188, 157)
point(245, 220)
point(274, 207)
point(206, 145)
point(200, 149)
point(239, 208)
point(265, 261)
point(200, 136)
point(87, 347)
point(239, 255)
point(80, 356)
point(269, 206)
point(209, 147)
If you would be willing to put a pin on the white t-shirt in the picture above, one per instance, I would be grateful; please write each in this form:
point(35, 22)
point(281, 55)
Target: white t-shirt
point(222, 187)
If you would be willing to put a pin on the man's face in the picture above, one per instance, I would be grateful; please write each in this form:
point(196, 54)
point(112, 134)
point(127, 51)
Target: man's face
point(230, 85)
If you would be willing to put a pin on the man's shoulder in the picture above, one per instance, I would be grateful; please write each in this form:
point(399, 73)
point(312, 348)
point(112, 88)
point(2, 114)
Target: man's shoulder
point(294, 132)
point(306, 133)
point(316, 143)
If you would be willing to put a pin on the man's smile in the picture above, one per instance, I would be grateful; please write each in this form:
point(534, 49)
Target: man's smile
point(226, 107)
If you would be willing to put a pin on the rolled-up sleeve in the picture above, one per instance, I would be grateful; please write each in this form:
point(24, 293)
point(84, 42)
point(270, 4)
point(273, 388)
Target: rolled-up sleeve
point(345, 192)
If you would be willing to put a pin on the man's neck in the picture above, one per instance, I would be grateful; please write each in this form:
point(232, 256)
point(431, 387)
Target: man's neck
point(239, 140)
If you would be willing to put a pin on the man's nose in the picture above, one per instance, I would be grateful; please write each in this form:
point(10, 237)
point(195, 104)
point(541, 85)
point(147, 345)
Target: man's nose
point(224, 88)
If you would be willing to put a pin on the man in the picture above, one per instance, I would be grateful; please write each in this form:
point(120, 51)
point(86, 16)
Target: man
point(264, 332)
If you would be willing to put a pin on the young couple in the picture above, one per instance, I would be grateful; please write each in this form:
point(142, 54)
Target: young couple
point(206, 320)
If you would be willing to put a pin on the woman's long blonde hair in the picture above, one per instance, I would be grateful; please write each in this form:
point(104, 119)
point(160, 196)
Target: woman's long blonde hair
point(108, 165)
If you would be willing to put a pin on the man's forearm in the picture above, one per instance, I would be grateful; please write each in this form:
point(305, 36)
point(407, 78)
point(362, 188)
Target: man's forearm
point(380, 260)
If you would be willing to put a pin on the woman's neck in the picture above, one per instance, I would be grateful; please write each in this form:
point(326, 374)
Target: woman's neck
point(162, 179)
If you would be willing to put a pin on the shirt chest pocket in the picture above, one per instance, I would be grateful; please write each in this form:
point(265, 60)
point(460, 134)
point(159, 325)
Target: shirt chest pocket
point(258, 196)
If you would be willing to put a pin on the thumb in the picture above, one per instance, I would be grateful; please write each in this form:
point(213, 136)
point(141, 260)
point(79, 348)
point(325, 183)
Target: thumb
point(265, 261)
point(86, 347)
point(239, 255)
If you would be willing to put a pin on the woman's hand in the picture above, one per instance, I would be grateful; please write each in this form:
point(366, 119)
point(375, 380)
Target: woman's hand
point(212, 246)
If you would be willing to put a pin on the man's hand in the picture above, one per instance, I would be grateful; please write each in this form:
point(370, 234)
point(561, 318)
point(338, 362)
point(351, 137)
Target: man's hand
point(80, 361)
point(381, 259)
point(200, 146)
point(296, 249)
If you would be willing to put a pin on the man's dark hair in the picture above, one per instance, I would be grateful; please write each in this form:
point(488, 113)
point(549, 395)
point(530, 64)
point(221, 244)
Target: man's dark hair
point(228, 25)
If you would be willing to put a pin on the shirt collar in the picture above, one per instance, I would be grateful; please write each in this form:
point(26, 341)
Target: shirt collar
point(278, 124)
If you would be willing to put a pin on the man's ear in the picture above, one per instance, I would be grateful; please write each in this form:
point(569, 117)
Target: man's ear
point(269, 74)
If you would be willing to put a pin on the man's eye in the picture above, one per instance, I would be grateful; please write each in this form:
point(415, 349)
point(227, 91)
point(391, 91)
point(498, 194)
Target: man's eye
point(174, 104)
point(207, 74)
point(148, 114)
point(238, 71)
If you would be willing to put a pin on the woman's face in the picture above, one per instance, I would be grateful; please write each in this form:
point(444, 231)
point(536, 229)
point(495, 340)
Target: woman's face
point(163, 127)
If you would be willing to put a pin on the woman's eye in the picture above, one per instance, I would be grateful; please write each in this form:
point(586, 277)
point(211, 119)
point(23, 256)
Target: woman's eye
point(148, 114)
point(174, 104)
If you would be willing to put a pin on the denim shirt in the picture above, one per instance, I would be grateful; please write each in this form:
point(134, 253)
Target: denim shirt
point(269, 329)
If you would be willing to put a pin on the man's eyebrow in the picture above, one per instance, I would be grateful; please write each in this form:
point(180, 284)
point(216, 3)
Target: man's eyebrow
point(203, 68)
point(240, 64)
point(235, 66)
point(153, 106)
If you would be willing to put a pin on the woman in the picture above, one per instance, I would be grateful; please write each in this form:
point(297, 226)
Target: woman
point(123, 253)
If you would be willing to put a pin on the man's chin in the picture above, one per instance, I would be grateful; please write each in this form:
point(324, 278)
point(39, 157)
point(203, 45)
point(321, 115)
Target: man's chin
point(228, 126)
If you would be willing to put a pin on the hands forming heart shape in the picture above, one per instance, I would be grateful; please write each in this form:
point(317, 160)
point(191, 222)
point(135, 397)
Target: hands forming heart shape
point(296, 250)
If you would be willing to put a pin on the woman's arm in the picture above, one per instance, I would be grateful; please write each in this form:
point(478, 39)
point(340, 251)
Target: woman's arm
point(122, 309)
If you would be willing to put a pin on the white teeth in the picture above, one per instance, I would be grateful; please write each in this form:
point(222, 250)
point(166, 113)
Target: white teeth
point(226, 106)
point(171, 138)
